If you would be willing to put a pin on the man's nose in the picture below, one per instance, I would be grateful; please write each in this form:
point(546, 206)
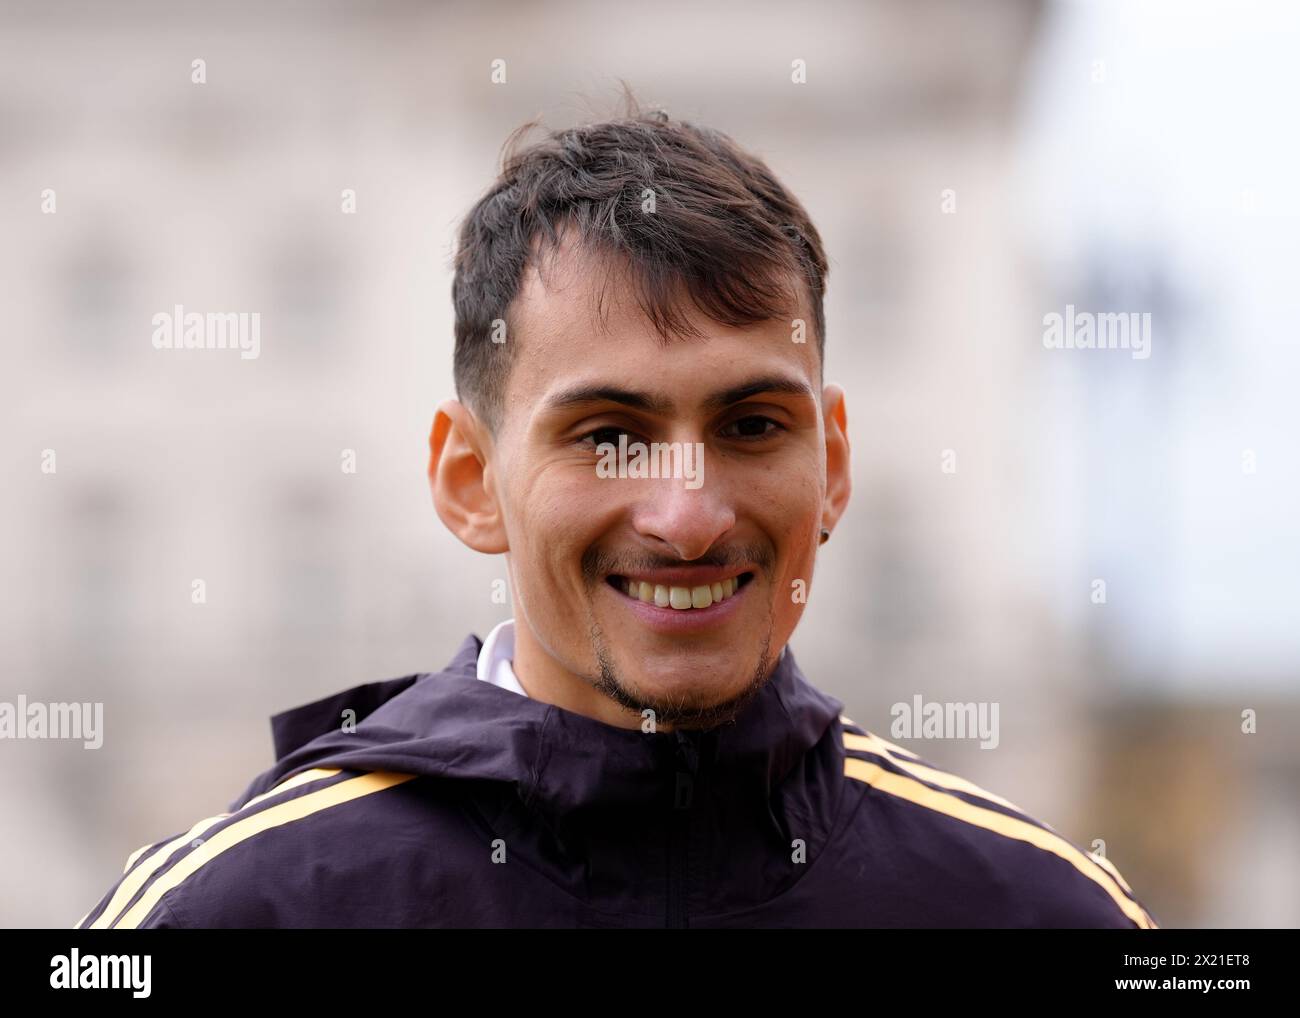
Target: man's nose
point(686, 521)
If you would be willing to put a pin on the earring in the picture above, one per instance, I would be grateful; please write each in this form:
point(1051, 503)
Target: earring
point(826, 536)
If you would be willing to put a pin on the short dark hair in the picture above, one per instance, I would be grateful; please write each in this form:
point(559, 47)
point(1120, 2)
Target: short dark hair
point(724, 232)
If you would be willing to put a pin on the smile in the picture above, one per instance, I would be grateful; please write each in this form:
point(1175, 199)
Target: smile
point(680, 598)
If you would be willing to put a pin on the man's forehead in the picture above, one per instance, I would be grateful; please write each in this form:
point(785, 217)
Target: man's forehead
point(569, 289)
point(579, 324)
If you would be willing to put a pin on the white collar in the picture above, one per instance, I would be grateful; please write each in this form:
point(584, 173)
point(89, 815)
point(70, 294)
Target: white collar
point(494, 660)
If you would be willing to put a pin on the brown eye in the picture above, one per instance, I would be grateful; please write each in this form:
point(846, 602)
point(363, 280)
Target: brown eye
point(601, 436)
point(754, 427)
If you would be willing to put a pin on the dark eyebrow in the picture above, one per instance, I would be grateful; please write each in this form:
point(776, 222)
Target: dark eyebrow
point(765, 384)
point(584, 395)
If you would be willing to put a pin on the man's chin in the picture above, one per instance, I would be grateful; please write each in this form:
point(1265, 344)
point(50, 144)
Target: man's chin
point(687, 697)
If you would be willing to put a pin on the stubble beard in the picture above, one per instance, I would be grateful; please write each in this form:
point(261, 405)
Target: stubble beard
point(681, 711)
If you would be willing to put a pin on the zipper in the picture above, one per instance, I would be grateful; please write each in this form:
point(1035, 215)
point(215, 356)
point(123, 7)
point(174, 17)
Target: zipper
point(685, 774)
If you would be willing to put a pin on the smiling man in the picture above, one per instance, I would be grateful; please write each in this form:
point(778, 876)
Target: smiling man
point(637, 746)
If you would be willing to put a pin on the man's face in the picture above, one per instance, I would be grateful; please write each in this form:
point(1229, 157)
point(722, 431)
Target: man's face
point(587, 552)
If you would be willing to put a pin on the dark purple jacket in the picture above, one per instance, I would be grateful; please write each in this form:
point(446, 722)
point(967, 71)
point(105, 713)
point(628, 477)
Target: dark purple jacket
point(455, 803)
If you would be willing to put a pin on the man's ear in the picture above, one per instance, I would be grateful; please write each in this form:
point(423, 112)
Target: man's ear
point(839, 467)
point(460, 478)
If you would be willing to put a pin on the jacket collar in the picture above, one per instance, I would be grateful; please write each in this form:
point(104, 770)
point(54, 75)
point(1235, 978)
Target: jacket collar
point(451, 724)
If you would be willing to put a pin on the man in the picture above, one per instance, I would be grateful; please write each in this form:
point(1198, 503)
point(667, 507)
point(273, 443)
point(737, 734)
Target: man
point(643, 431)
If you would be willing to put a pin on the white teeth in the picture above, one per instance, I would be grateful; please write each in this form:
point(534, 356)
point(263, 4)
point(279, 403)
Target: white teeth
point(680, 598)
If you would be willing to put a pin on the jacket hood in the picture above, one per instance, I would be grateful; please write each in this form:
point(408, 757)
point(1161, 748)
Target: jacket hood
point(450, 724)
